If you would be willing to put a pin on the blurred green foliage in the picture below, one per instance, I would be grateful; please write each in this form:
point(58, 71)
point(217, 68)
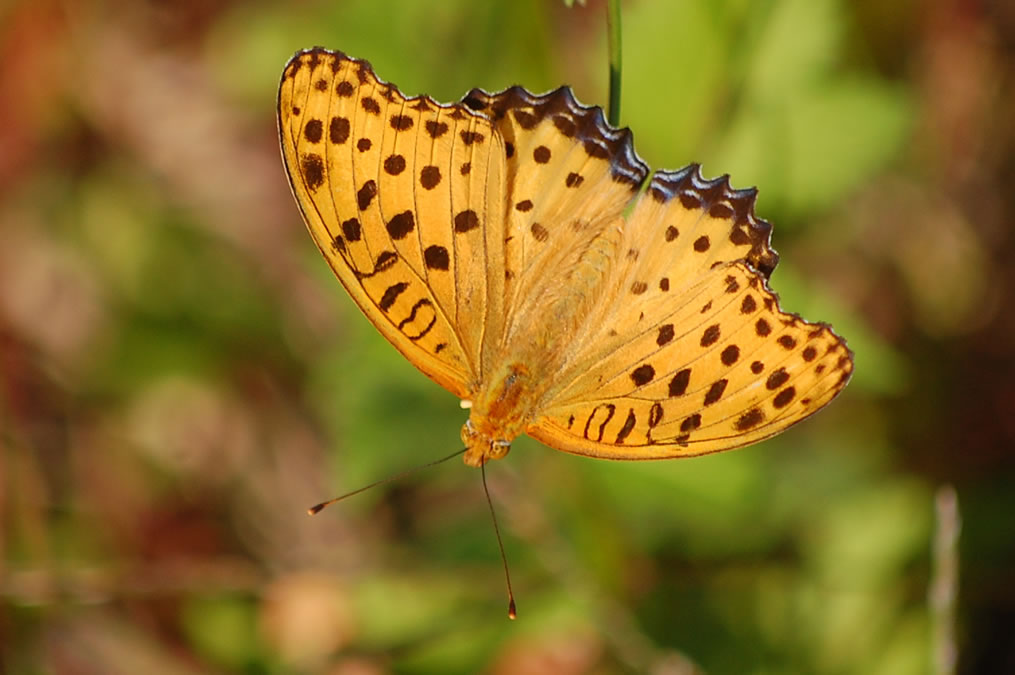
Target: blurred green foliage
point(182, 376)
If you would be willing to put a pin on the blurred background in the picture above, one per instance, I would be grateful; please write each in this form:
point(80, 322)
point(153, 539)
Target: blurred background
point(181, 376)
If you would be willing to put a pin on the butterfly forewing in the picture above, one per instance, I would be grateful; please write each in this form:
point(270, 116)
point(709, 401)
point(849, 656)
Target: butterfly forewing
point(569, 178)
point(403, 197)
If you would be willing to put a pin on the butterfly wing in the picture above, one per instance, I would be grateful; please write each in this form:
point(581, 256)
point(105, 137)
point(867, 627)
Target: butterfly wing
point(403, 196)
point(569, 176)
point(690, 353)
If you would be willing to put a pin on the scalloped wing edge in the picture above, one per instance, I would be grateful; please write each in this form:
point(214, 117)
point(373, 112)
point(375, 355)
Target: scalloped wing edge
point(295, 63)
point(589, 127)
point(720, 199)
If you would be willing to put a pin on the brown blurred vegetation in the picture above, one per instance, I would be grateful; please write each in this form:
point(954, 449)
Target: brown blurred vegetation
point(180, 376)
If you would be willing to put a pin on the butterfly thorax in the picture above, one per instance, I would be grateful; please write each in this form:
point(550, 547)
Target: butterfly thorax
point(500, 413)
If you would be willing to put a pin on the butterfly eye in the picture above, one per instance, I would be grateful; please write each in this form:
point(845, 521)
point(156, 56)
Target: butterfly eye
point(468, 433)
point(499, 449)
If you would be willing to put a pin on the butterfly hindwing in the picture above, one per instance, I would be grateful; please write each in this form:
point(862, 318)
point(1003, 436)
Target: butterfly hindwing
point(693, 354)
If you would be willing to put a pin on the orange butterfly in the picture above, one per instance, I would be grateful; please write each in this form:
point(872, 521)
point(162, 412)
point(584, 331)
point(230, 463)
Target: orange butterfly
point(508, 247)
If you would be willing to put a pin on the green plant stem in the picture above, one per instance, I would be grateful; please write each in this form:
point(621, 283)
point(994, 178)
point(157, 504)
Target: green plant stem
point(613, 30)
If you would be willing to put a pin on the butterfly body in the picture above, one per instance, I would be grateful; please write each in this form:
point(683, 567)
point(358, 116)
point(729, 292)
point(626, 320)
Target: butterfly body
point(531, 365)
point(505, 246)
point(500, 413)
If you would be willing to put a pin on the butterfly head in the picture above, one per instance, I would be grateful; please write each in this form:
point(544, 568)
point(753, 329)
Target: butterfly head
point(480, 446)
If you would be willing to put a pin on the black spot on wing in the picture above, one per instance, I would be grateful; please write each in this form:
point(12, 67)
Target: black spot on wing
point(719, 200)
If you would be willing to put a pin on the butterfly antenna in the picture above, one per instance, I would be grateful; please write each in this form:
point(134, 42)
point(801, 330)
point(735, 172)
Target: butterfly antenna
point(512, 614)
point(317, 508)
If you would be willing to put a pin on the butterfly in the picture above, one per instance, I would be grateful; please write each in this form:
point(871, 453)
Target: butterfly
point(516, 250)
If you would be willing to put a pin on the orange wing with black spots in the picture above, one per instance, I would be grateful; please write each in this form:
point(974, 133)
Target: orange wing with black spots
point(404, 198)
point(692, 354)
point(569, 178)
